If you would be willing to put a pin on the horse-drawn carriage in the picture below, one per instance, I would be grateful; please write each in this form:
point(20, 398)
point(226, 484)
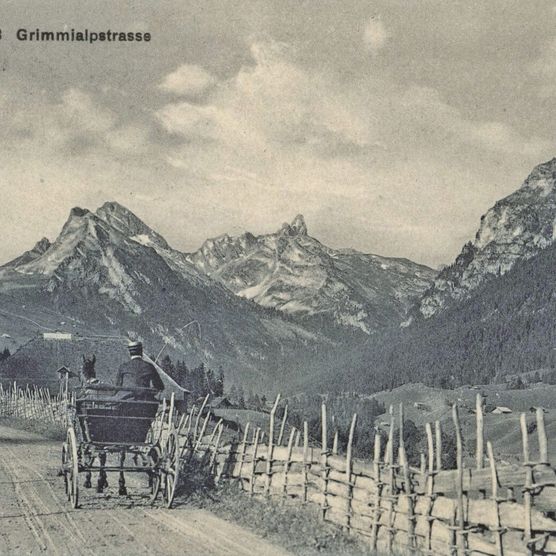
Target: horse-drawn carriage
point(116, 430)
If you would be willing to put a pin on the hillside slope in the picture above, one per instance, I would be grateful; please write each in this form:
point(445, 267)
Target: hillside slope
point(508, 326)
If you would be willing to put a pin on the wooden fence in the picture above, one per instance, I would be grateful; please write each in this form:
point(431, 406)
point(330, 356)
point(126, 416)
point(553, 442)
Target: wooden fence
point(487, 508)
point(34, 404)
point(494, 509)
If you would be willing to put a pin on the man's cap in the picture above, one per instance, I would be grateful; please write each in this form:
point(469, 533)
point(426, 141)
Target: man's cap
point(135, 348)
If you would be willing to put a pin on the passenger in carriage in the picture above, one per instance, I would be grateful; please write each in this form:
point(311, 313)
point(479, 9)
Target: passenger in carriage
point(139, 373)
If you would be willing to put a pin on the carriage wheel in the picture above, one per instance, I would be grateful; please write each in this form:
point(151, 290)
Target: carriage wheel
point(73, 466)
point(64, 467)
point(155, 474)
point(172, 460)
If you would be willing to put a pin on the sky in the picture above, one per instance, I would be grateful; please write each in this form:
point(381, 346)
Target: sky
point(392, 126)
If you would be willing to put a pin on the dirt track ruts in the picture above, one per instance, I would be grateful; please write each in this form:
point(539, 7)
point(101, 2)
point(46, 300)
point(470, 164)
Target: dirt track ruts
point(35, 517)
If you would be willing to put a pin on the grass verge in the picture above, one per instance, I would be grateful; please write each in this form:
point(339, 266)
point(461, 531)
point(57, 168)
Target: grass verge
point(52, 431)
point(296, 528)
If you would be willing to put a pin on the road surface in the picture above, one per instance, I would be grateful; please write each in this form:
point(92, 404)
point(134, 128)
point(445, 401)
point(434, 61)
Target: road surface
point(35, 517)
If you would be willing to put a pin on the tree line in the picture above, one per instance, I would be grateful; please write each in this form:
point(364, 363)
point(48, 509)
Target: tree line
point(200, 380)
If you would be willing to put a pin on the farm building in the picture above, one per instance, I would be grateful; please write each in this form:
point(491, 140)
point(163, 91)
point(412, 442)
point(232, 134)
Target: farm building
point(500, 410)
point(221, 402)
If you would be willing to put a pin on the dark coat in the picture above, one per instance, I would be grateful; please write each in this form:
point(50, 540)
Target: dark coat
point(139, 373)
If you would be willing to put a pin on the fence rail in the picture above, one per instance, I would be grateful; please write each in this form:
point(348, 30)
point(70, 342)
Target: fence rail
point(493, 509)
point(490, 508)
point(34, 404)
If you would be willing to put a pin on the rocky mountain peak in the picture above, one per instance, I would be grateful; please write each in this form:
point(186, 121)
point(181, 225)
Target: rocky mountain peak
point(296, 228)
point(38, 250)
point(298, 225)
point(543, 176)
point(130, 225)
point(294, 273)
point(42, 246)
point(78, 212)
point(517, 227)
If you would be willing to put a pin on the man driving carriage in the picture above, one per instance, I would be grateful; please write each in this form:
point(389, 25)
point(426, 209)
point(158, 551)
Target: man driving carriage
point(138, 373)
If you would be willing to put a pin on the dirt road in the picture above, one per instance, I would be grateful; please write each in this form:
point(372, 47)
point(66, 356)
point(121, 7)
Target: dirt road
point(36, 519)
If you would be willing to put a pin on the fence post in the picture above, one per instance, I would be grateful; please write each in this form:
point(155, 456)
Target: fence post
point(528, 484)
point(270, 451)
point(349, 470)
point(543, 440)
point(480, 431)
point(199, 417)
point(282, 426)
point(254, 462)
point(242, 451)
point(389, 462)
point(219, 426)
point(497, 530)
point(324, 460)
point(438, 438)
point(459, 485)
point(287, 463)
point(429, 487)
point(335, 443)
point(378, 485)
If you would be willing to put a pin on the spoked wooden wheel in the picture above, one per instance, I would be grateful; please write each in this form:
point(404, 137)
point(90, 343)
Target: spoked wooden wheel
point(155, 476)
point(73, 468)
point(172, 465)
point(65, 467)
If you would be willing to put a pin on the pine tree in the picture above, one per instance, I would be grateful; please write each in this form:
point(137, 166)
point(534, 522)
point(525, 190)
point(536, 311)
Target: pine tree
point(181, 373)
point(167, 366)
point(233, 394)
point(240, 397)
point(219, 385)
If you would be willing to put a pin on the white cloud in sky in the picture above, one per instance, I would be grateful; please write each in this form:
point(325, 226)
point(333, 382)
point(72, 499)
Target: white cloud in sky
point(374, 164)
point(375, 35)
point(315, 144)
point(544, 68)
point(188, 80)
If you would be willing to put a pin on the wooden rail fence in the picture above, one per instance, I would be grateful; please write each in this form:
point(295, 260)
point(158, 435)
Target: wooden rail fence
point(34, 404)
point(492, 509)
point(488, 508)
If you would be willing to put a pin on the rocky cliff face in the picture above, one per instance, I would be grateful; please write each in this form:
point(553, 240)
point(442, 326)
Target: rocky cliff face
point(294, 273)
point(515, 228)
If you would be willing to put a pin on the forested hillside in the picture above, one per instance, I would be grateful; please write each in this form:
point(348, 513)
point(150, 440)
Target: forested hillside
point(507, 327)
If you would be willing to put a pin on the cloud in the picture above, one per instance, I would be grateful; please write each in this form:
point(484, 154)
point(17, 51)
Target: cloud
point(188, 80)
point(429, 114)
point(78, 111)
point(77, 124)
point(273, 102)
point(544, 68)
point(401, 161)
point(375, 35)
point(276, 104)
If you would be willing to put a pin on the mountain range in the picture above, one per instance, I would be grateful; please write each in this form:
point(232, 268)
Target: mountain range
point(296, 274)
point(489, 315)
point(109, 274)
point(284, 311)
